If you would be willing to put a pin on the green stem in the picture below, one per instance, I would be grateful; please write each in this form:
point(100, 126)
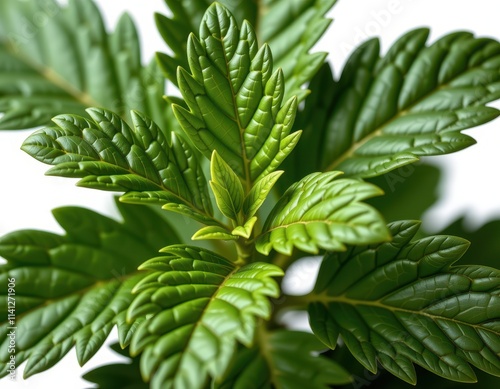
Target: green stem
point(245, 250)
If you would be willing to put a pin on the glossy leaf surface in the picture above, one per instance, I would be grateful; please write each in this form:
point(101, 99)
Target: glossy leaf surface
point(323, 212)
point(199, 305)
point(291, 28)
point(226, 187)
point(235, 101)
point(387, 112)
point(403, 302)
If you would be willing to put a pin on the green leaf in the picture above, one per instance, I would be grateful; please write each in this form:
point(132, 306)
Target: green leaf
point(234, 99)
point(227, 188)
point(213, 232)
point(323, 212)
point(117, 375)
point(402, 302)
point(291, 28)
point(72, 290)
point(259, 193)
point(429, 93)
point(199, 304)
point(245, 231)
point(55, 59)
point(108, 155)
point(287, 360)
point(186, 16)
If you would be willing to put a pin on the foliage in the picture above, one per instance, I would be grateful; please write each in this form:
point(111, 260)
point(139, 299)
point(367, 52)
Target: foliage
point(255, 98)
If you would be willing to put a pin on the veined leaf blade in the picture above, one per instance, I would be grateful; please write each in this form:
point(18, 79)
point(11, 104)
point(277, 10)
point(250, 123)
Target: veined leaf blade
point(72, 290)
point(322, 212)
point(430, 94)
point(403, 303)
point(199, 304)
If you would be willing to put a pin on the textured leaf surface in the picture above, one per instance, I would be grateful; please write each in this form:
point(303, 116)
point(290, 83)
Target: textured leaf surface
point(200, 305)
point(402, 302)
point(386, 113)
point(235, 99)
point(56, 59)
point(72, 290)
point(291, 28)
point(107, 154)
point(259, 193)
point(288, 360)
point(323, 212)
point(226, 187)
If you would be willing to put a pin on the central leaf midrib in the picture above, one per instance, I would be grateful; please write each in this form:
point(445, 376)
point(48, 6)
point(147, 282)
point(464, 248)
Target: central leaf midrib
point(54, 78)
point(244, 157)
point(342, 299)
point(199, 321)
point(49, 75)
point(158, 185)
point(79, 292)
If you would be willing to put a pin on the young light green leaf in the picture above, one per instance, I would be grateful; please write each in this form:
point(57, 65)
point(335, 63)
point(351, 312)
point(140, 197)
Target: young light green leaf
point(213, 232)
point(430, 94)
point(290, 27)
point(227, 188)
point(55, 59)
point(107, 154)
point(288, 359)
point(72, 290)
point(259, 193)
point(245, 231)
point(323, 212)
point(402, 302)
point(234, 99)
point(200, 305)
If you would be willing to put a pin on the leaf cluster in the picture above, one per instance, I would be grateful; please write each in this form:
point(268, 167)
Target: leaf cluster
point(254, 99)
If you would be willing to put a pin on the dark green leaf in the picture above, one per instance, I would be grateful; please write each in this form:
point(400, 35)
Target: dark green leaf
point(287, 360)
point(402, 302)
point(409, 192)
point(117, 375)
point(290, 27)
point(485, 242)
point(56, 59)
point(386, 113)
point(72, 290)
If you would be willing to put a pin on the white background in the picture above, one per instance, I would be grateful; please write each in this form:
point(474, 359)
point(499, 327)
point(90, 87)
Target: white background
point(470, 181)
